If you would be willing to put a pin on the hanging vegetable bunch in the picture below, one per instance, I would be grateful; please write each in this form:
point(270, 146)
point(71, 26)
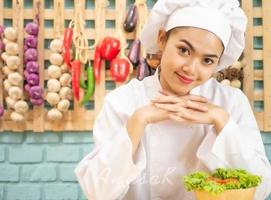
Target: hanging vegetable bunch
point(13, 80)
point(145, 63)
point(31, 70)
point(59, 91)
point(75, 35)
point(2, 49)
point(110, 49)
point(232, 76)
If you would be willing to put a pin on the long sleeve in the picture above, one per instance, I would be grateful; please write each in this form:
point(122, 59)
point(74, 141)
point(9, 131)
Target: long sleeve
point(107, 171)
point(238, 145)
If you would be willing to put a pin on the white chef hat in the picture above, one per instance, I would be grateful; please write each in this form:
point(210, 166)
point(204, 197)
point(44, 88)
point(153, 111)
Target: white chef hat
point(224, 18)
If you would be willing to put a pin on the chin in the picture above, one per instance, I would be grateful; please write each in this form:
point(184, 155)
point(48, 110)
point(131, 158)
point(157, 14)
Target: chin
point(181, 91)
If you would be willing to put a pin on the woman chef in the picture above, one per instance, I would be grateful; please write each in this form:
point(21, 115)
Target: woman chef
point(151, 133)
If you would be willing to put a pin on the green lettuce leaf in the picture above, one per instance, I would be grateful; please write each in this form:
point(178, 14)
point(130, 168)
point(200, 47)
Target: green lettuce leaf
point(202, 181)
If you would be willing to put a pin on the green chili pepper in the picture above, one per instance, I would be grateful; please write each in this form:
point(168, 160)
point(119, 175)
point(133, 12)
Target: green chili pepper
point(90, 87)
point(83, 83)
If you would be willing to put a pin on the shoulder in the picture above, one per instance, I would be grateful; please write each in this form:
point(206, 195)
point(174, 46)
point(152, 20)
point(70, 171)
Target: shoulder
point(224, 93)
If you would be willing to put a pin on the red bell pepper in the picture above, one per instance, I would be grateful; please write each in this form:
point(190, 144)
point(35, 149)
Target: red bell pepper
point(109, 48)
point(76, 65)
point(119, 68)
point(97, 64)
point(67, 42)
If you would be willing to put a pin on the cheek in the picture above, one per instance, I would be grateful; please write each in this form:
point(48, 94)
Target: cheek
point(205, 74)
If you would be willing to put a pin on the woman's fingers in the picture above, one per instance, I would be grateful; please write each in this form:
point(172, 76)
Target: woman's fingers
point(180, 106)
point(196, 106)
point(184, 117)
point(197, 98)
point(169, 107)
point(165, 99)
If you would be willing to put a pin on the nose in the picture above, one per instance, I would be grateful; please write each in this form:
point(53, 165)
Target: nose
point(190, 67)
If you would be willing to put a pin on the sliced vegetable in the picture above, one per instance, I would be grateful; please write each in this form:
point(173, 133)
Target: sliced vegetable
point(134, 53)
point(90, 86)
point(119, 69)
point(131, 19)
point(109, 48)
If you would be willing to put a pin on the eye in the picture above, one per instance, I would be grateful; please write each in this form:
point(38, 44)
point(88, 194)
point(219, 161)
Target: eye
point(208, 61)
point(184, 51)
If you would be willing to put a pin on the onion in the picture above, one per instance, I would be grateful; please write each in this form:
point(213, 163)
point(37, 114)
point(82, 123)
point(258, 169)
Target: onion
point(31, 55)
point(35, 92)
point(32, 28)
point(37, 102)
point(32, 67)
point(31, 41)
point(33, 79)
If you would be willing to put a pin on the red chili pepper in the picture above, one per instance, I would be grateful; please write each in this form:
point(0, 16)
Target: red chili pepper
point(76, 65)
point(109, 48)
point(97, 64)
point(119, 68)
point(67, 45)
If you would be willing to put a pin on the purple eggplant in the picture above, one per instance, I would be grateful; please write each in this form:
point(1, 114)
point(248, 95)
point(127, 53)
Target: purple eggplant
point(131, 19)
point(134, 53)
point(143, 69)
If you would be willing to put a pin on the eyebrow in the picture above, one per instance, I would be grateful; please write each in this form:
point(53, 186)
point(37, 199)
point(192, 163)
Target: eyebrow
point(193, 49)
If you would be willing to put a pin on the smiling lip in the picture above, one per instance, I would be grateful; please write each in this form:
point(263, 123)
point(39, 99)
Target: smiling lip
point(184, 79)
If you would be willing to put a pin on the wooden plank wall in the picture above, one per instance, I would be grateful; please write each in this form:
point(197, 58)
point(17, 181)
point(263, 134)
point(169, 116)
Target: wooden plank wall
point(257, 79)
